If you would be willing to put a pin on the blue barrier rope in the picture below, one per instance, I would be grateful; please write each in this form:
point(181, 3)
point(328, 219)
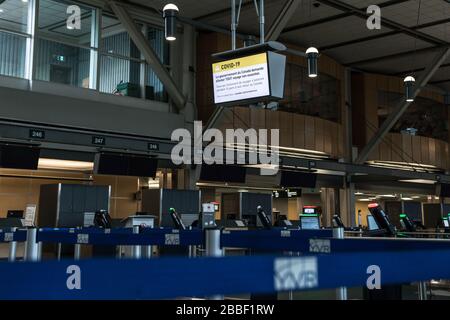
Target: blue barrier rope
point(180, 277)
point(320, 241)
point(121, 236)
point(276, 239)
point(314, 241)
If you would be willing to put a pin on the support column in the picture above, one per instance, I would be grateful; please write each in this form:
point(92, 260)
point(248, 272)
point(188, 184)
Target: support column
point(327, 197)
point(94, 62)
point(136, 250)
point(348, 124)
point(32, 250)
point(341, 292)
point(30, 53)
point(12, 248)
point(188, 74)
point(77, 252)
point(143, 74)
point(348, 215)
point(213, 249)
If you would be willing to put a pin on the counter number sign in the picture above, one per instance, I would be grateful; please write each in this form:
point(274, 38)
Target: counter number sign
point(37, 134)
point(153, 146)
point(98, 140)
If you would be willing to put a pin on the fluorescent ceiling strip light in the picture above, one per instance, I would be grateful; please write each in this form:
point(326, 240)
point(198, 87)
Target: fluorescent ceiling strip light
point(58, 164)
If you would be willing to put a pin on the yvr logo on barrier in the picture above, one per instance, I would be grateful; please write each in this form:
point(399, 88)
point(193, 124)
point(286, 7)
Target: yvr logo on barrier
point(239, 146)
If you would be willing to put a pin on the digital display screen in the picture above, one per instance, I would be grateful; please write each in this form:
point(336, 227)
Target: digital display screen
point(446, 223)
point(241, 78)
point(309, 223)
point(240, 223)
point(309, 210)
point(371, 223)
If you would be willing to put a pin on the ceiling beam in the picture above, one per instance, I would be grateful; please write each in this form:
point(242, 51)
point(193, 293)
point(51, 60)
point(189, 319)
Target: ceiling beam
point(362, 13)
point(337, 17)
point(402, 106)
point(382, 35)
point(149, 54)
point(440, 81)
point(220, 13)
point(317, 22)
point(392, 56)
point(282, 19)
point(446, 65)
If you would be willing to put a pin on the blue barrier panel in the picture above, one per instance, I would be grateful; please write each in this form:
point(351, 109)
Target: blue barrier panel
point(181, 277)
point(320, 241)
point(6, 235)
point(96, 236)
point(89, 230)
point(386, 244)
point(276, 239)
point(165, 236)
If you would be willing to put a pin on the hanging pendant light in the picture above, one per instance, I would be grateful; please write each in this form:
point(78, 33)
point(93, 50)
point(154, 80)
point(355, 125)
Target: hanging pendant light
point(312, 55)
point(409, 88)
point(170, 13)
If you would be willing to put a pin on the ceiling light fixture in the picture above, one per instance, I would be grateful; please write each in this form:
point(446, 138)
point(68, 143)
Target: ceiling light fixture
point(409, 88)
point(170, 13)
point(312, 55)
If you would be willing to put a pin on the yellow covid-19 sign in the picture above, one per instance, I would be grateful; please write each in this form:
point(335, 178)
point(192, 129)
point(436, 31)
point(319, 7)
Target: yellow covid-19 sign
point(238, 63)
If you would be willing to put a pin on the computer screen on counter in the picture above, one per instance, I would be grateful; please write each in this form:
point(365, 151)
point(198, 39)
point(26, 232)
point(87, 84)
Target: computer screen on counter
point(371, 223)
point(309, 222)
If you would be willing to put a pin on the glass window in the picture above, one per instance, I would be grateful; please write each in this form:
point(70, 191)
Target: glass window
point(61, 63)
point(153, 86)
point(62, 45)
point(14, 15)
point(119, 76)
point(120, 60)
point(319, 97)
point(424, 117)
point(12, 55)
point(121, 63)
point(56, 24)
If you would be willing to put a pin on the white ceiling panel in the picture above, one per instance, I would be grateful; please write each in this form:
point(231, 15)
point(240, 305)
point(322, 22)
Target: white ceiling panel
point(307, 13)
point(441, 31)
point(407, 13)
point(442, 74)
point(377, 48)
point(402, 64)
point(333, 32)
point(363, 3)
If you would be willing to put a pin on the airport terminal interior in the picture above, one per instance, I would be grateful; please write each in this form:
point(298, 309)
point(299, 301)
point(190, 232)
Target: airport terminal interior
point(226, 150)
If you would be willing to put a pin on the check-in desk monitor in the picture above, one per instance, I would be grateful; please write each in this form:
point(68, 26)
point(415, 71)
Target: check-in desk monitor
point(15, 214)
point(371, 223)
point(233, 224)
point(309, 222)
point(251, 220)
point(240, 223)
point(446, 223)
point(310, 210)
